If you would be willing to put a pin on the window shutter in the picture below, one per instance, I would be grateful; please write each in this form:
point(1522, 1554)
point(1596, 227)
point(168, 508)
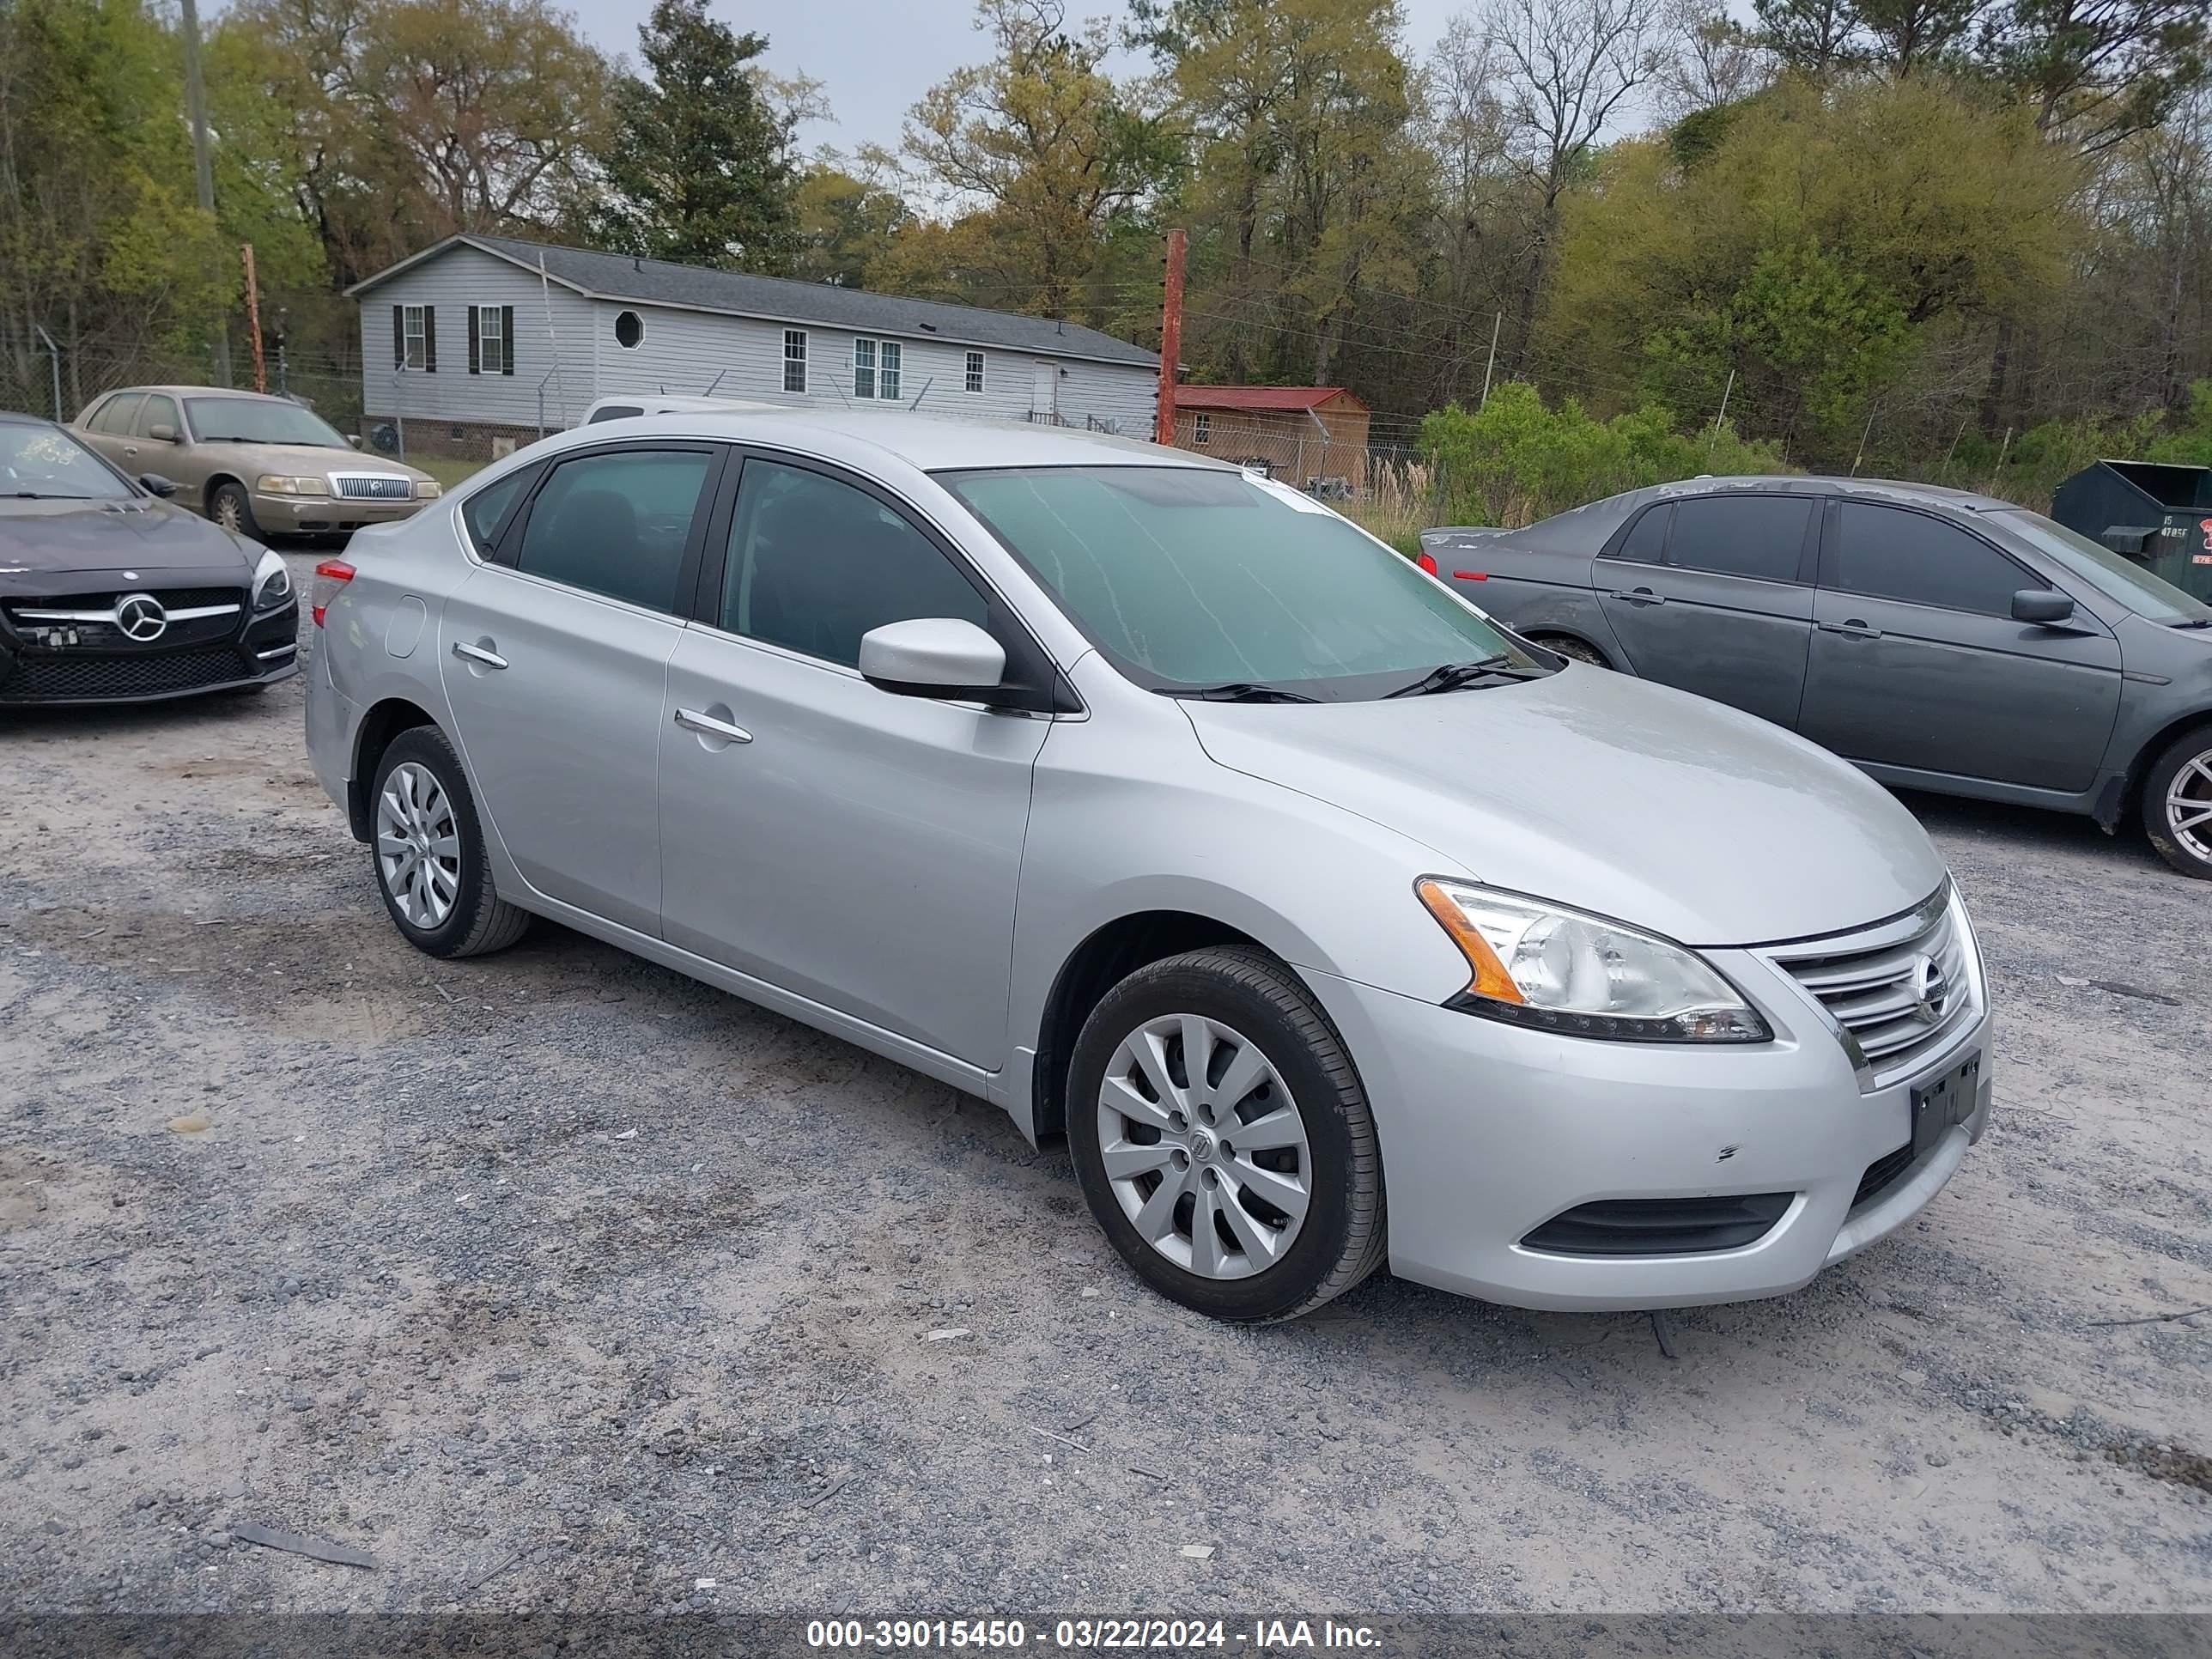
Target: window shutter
point(507, 339)
point(475, 366)
point(429, 339)
point(398, 337)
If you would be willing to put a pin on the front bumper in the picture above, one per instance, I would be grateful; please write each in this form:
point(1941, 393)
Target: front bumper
point(1488, 1131)
point(319, 516)
point(261, 651)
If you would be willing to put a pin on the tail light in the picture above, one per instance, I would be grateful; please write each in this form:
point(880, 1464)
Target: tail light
point(330, 575)
point(1426, 561)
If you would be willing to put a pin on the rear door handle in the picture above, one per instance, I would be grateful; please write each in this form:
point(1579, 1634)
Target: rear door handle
point(1852, 629)
point(693, 720)
point(478, 654)
point(1640, 596)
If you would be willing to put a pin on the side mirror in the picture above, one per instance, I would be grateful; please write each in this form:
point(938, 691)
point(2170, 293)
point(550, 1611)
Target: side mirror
point(162, 433)
point(934, 657)
point(155, 483)
point(2033, 604)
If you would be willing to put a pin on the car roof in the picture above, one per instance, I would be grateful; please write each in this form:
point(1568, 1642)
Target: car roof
point(928, 443)
point(207, 392)
point(1923, 494)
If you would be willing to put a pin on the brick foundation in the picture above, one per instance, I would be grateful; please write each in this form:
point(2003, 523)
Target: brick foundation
point(450, 440)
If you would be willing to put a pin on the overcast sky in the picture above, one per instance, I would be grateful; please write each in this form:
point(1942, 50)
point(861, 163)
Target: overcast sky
point(876, 57)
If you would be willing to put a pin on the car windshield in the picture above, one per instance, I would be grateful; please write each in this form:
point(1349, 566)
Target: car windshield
point(250, 421)
point(1191, 579)
point(2144, 592)
point(44, 463)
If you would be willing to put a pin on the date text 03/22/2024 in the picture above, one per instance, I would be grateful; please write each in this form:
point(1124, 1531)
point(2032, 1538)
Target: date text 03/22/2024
point(1090, 1635)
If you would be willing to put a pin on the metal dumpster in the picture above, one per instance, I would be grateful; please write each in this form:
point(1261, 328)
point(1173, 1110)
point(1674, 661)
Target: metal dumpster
point(2159, 515)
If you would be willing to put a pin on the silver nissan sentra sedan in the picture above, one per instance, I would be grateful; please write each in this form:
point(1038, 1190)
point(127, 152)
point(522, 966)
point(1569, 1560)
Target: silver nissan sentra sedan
point(1330, 922)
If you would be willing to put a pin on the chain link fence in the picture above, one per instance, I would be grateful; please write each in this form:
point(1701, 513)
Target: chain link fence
point(58, 390)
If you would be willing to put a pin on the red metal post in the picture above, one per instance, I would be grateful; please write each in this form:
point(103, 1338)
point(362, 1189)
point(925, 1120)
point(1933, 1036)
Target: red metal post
point(253, 319)
point(1170, 339)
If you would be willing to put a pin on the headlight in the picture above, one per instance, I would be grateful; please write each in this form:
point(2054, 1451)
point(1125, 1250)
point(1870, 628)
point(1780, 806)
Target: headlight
point(425, 490)
point(273, 582)
point(1542, 964)
point(271, 484)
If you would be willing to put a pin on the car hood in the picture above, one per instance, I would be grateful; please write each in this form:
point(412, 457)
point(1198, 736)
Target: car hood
point(306, 460)
point(1609, 793)
point(42, 541)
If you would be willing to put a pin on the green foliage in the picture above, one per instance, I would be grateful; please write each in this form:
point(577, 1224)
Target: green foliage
point(695, 164)
point(1514, 460)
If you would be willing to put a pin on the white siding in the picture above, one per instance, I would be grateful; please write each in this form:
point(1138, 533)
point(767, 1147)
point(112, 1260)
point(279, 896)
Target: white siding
point(691, 354)
point(683, 352)
point(454, 281)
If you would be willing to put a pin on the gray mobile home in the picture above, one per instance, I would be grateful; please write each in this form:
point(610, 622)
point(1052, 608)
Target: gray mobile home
point(481, 341)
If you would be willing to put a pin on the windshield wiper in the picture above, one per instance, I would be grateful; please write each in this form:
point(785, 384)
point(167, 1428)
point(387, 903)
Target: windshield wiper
point(47, 495)
point(1237, 691)
point(1452, 676)
point(2193, 622)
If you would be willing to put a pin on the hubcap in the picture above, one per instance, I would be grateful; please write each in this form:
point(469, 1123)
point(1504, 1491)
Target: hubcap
point(418, 849)
point(226, 512)
point(1204, 1148)
point(2189, 805)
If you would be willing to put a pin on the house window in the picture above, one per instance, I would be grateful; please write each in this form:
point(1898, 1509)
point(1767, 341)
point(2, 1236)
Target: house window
point(492, 355)
point(864, 368)
point(887, 381)
point(1201, 429)
point(974, 371)
point(629, 329)
point(876, 368)
point(416, 351)
point(794, 360)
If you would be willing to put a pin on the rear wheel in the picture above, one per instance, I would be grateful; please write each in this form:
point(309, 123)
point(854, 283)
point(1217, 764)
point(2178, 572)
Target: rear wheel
point(229, 506)
point(1223, 1140)
point(2177, 804)
point(429, 852)
point(1565, 646)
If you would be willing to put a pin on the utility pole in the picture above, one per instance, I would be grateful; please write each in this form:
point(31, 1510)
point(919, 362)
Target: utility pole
point(202, 168)
point(254, 319)
point(1496, 323)
point(1868, 433)
point(1170, 339)
point(1714, 436)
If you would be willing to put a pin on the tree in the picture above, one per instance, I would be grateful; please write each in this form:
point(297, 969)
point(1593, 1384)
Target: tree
point(1713, 60)
point(847, 221)
point(1570, 65)
point(2097, 70)
point(1904, 35)
point(1041, 145)
point(1812, 37)
point(697, 164)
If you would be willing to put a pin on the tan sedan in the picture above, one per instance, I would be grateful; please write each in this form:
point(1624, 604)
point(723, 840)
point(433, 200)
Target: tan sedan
point(259, 465)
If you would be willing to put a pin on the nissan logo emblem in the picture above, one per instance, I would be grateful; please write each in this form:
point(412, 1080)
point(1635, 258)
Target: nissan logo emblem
point(1929, 991)
point(140, 618)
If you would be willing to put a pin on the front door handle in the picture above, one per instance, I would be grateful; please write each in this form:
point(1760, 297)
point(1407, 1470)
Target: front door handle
point(694, 719)
point(1852, 629)
point(478, 654)
point(1640, 596)
point(130, 449)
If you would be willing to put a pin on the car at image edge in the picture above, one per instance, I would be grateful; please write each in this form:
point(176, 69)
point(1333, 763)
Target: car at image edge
point(259, 466)
point(108, 593)
point(1942, 640)
point(1159, 805)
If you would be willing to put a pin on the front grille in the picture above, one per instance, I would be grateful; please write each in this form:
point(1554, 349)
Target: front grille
point(1882, 1174)
point(1660, 1226)
point(374, 487)
point(38, 679)
point(1903, 988)
point(171, 599)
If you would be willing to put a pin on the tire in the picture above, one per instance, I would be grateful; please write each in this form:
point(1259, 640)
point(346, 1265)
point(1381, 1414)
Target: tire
point(230, 507)
point(1559, 645)
point(1266, 1038)
point(449, 909)
point(2176, 789)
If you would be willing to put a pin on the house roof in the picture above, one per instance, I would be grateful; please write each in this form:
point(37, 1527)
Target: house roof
point(1291, 398)
point(738, 294)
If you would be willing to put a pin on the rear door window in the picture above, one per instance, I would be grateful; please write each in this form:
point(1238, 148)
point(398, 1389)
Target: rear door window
point(618, 524)
point(1761, 537)
point(1889, 553)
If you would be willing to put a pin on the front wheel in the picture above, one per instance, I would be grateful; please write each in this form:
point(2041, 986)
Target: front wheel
point(1223, 1140)
point(2177, 804)
point(229, 506)
point(429, 852)
point(1561, 645)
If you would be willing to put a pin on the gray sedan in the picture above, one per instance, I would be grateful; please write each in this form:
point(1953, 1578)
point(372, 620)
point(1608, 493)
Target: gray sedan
point(1942, 640)
point(1155, 803)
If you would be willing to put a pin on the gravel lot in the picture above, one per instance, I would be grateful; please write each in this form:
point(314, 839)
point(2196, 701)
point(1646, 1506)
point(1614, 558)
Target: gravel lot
point(555, 1280)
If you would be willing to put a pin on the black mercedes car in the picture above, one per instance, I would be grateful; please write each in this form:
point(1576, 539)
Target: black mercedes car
point(110, 594)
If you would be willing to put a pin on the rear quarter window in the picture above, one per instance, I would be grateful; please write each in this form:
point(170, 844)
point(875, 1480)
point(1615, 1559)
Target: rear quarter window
point(484, 512)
